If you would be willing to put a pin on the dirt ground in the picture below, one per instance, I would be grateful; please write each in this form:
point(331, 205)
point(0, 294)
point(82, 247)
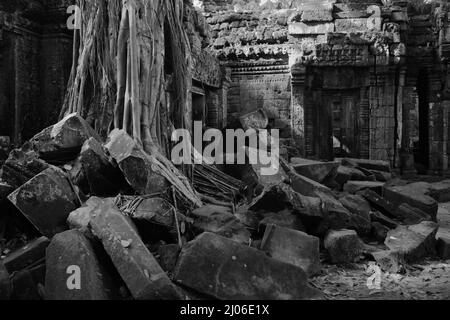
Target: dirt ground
point(429, 280)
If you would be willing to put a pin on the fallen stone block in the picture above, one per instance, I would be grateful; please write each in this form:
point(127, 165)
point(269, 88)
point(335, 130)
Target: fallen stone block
point(410, 215)
point(345, 174)
point(137, 266)
point(443, 246)
point(376, 216)
point(71, 255)
point(46, 201)
point(353, 187)
point(27, 255)
point(62, 142)
point(80, 218)
point(367, 164)
point(94, 173)
point(21, 166)
point(135, 164)
point(226, 270)
point(306, 186)
point(379, 203)
point(360, 209)
point(292, 246)
point(413, 242)
point(336, 216)
point(343, 246)
point(5, 283)
point(213, 219)
point(379, 231)
point(412, 196)
point(388, 261)
point(314, 170)
point(382, 176)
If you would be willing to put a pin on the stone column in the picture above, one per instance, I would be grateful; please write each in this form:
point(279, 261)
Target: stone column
point(298, 106)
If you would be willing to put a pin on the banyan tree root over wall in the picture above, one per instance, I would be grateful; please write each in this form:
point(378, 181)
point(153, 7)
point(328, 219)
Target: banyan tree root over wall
point(118, 80)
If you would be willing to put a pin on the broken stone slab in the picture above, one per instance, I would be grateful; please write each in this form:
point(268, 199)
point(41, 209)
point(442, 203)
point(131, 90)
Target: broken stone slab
point(336, 216)
point(306, 186)
point(314, 170)
point(360, 209)
point(62, 142)
point(46, 201)
point(412, 196)
point(136, 265)
point(413, 242)
point(379, 203)
point(294, 247)
point(71, 255)
point(80, 218)
point(224, 269)
point(367, 164)
point(94, 170)
point(345, 174)
point(382, 176)
point(27, 255)
point(253, 174)
point(343, 246)
point(21, 166)
point(411, 215)
point(135, 164)
point(354, 187)
point(219, 221)
point(5, 283)
point(376, 216)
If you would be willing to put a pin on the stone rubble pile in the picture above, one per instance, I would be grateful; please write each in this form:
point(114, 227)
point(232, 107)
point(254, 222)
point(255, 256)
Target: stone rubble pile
point(99, 222)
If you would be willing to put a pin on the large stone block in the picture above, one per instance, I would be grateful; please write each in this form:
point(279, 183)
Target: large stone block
point(71, 252)
point(378, 165)
point(135, 164)
point(226, 270)
point(413, 242)
point(137, 266)
point(292, 247)
point(46, 200)
point(218, 220)
point(343, 246)
point(354, 187)
point(314, 170)
point(62, 142)
point(414, 197)
point(94, 173)
point(27, 255)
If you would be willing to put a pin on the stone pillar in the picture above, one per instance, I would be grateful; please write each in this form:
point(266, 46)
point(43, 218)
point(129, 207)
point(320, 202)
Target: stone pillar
point(298, 106)
point(406, 152)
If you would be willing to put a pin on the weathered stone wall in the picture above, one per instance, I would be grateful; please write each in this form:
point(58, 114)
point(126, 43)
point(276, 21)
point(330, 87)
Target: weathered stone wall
point(35, 57)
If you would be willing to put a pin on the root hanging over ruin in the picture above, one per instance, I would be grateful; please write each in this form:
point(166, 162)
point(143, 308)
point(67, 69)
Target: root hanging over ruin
point(118, 79)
